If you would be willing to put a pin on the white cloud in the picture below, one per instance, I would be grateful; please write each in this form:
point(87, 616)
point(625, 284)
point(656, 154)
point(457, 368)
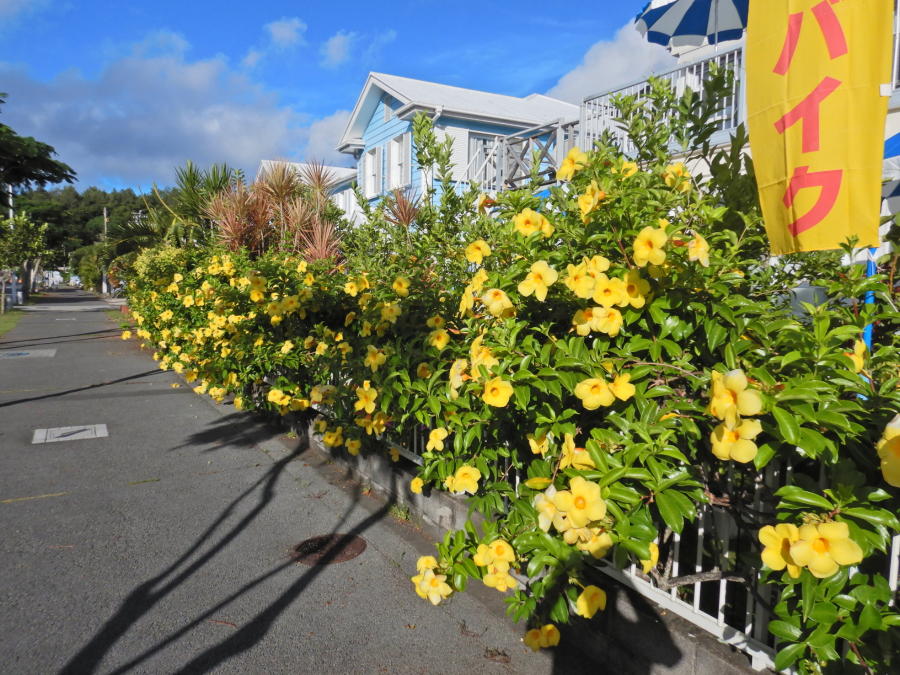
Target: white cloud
point(611, 63)
point(150, 111)
point(323, 137)
point(286, 32)
point(373, 51)
point(11, 8)
point(336, 49)
point(252, 58)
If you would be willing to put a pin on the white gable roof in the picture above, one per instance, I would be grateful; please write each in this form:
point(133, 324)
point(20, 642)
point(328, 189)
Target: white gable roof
point(342, 174)
point(453, 101)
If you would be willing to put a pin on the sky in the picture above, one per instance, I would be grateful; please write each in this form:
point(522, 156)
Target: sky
point(128, 91)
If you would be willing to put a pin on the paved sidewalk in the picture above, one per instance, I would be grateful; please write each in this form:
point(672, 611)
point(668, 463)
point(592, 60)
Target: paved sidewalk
point(164, 546)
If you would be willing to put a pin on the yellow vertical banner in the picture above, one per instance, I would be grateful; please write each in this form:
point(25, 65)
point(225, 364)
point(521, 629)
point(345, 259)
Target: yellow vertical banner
point(816, 112)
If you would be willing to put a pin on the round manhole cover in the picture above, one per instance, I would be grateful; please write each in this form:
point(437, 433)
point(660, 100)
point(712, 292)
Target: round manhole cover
point(328, 549)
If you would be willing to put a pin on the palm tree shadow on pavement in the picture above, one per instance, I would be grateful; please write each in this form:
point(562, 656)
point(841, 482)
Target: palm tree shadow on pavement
point(148, 594)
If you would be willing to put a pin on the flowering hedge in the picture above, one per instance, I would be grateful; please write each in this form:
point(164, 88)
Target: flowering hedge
point(589, 368)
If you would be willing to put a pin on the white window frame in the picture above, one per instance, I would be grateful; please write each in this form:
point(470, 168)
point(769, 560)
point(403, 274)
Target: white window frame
point(399, 162)
point(372, 172)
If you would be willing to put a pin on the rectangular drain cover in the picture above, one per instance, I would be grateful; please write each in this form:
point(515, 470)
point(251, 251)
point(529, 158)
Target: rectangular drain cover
point(28, 354)
point(83, 432)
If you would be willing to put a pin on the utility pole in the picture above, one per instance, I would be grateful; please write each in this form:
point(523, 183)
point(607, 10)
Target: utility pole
point(9, 195)
point(104, 285)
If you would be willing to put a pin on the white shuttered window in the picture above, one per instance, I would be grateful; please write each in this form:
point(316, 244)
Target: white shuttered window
point(398, 162)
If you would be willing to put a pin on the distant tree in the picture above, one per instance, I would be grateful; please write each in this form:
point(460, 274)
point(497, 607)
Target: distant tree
point(22, 243)
point(25, 161)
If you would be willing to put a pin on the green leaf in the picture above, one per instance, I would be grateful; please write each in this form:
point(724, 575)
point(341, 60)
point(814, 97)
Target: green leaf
point(786, 657)
point(787, 425)
point(785, 631)
point(870, 619)
point(670, 511)
point(881, 517)
point(796, 495)
point(824, 613)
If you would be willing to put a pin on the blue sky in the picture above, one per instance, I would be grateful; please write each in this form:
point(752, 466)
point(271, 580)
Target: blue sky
point(127, 91)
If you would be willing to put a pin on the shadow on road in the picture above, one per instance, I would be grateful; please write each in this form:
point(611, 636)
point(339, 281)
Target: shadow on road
point(145, 596)
point(237, 429)
point(4, 343)
point(88, 387)
point(42, 342)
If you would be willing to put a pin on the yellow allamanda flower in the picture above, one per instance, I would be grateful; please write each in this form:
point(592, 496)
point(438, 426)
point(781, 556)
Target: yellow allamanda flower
point(583, 321)
point(543, 637)
point(731, 397)
point(374, 358)
point(575, 160)
point(390, 312)
point(499, 578)
point(538, 280)
point(529, 222)
point(858, 355)
point(438, 338)
point(636, 289)
point(465, 480)
point(366, 395)
point(455, 376)
point(698, 250)
point(621, 387)
point(287, 347)
point(278, 397)
point(822, 548)
point(627, 169)
point(353, 446)
point(678, 177)
point(498, 303)
point(351, 288)
point(334, 438)
point(481, 355)
point(736, 442)
point(591, 600)
point(649, 245)
point(574, 456)
point(598, 544)
point(433, 587)
point(579, 281)
point(477, 251)
point(888, 449)
point(589, 201)
point(423, 370)
point(538, 444)
point(126, 335)
point(497, 392)
point(776, 541)
point(401, 286)
point(435, 322)
point(436, 439)
point(581, 503)
point(594, 392)
point(416, 485)
point(478, 280)
point(651, 562)
point(609, 292)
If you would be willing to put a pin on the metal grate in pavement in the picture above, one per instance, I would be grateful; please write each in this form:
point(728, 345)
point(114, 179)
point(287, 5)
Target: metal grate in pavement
point(80, 433)
point(28, 354)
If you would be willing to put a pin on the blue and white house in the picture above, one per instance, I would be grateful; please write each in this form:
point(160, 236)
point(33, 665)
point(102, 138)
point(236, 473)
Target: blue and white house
point(379, 132)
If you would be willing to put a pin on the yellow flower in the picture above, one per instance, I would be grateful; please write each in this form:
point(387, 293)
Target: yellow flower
point(636, 289)
point(648, 245)
point(736, 442)
point(416, 485)
point(579, 281)
point(591, 600)
point(730, 397)
point(391, 312)
point(423, 370)
point(677, 176)
point(888, 448)
point(583, 321)
point(577, 458)
point(334, 438)
point(498, 577)
point(366, 395)
point(401, 286)
point(188, 301)
point(426, 562)
point(438, 338)
point(436, 439)
point(455, 376)
point(528, 222)
point(607, 320)
point(537, 483)
point(589, 201)
point(433, 586)
point(609, 292)
point(466, 479)
point(544, 637)
point(598, 545)
point(477, 251)
point(126, 334)
point(353, 445)
point(622, 388)
point(349, 318)
point(278, 397)
point(776, 541)
point(628, 169)
point(858, 356)
point(321, 349)
point(823, 548)
point(374, 358)
point(498, 303)
point(481, 355)
point(539, 445)
point(257, 295)
point(574, 161)
point(581, 503)
point(594, 392)
point(478, 280)
point(538, 280)
point(497, 392)
point(650, 563)
point(301, 267)
point(698, 250)
point(351, 289)
point(287, 346)
point(547, 512)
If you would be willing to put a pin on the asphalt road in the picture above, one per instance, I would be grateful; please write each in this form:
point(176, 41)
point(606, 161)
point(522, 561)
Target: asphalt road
point(165, 546)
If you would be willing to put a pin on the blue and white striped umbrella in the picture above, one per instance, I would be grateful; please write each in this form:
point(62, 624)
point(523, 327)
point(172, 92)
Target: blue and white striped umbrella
point(691, 23)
